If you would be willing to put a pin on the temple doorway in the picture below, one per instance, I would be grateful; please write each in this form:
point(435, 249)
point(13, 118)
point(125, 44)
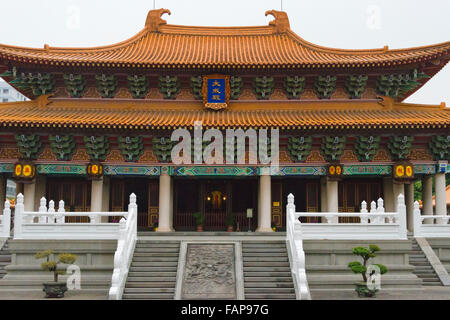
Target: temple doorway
point(217, 199)
point(147, 198)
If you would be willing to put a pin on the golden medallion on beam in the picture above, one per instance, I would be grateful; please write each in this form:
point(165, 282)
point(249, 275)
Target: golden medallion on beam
point(403, 171)
point(95, 170)
point(24, 171)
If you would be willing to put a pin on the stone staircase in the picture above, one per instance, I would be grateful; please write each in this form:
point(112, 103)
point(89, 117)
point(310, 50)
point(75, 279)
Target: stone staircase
point(5, 259)
point(267, 274)
point(153, 270)
point(423, 268)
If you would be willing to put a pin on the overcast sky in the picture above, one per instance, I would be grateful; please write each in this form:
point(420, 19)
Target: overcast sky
point(350, 24)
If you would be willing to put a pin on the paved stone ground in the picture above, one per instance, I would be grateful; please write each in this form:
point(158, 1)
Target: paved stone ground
point(427, 293)
point(430, 293)
point(39, 295)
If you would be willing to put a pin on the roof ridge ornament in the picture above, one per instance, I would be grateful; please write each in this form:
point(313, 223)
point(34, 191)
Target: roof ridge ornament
point(154, 19)
point(281, 22)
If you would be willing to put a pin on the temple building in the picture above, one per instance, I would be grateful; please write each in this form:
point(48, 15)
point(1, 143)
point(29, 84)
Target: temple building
point(99, 122)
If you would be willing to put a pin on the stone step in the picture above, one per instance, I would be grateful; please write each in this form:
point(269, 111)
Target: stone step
point(134, 278)
point(267, 274)
point(154, 269)
point(255, 296)
point(435, 279)
point(266, 254)
point(148, 296)
point(263, 245)
point(259, 278)
point(426, 274)
point(156, 247)
point(270, 290)
point(434, 284)
point(157, 250)
point(5, 258)
point(154, 284)
point(154, 264)
point(420, 263)
point(268, 269)
point(152, 274)
point(421, 258)
point(266, 250)
point(159, 254)
point(158, 243)
point(155, 259)
point(149, 290)
point(423, 269)
point(417, 256)
point(266, 264)
point(249, 284)
point(263, 259)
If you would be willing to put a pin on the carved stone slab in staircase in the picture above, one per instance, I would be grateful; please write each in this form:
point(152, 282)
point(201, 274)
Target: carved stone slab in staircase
point(209, 272)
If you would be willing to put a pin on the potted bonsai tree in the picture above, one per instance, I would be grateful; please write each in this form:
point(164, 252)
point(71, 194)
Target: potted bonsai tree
point(199, 220)
point(361, 268)
point(230, 222)
point(55, 289)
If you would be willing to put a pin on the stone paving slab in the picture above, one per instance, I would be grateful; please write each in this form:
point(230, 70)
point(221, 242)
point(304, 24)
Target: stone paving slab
point(431, 293)
point(436, 293)
point(39, 295)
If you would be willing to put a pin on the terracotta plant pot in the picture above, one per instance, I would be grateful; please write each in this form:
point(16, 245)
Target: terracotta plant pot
point(199, 228)
point(230, 229)
point(54, 289)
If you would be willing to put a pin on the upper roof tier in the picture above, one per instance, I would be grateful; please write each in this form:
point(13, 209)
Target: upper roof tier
point(272, 46)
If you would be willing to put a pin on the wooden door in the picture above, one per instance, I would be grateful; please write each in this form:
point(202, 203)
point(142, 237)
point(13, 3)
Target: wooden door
point(277, 204)
point(352, 192)
point(244, 196)
point(75, 193)
point(153, 202)
point(147, 198)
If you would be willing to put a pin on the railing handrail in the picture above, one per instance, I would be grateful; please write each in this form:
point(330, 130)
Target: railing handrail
point(345, 214)
point(125, 250)
point(429, 216)
point(5, 222)
point(296, 252)
point(440, 229)
point(75, 214)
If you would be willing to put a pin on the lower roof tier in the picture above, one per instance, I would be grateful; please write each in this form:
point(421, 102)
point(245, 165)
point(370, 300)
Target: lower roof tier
point(143, 115)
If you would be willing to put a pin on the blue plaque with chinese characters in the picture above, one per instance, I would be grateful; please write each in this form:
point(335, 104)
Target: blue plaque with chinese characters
point(216, 91)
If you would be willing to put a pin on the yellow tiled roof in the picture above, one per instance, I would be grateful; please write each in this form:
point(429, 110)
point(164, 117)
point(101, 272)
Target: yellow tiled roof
point(272, 46)
point(144, 114)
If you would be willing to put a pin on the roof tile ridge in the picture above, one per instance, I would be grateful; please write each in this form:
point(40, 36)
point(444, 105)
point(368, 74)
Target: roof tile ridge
point(141, 34)
point(294, 36)
point(384, 50)
point(28, 103)
point(169, 29)
point(391, 104)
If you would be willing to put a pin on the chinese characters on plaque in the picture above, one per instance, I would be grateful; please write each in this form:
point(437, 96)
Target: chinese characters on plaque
point(216, 91)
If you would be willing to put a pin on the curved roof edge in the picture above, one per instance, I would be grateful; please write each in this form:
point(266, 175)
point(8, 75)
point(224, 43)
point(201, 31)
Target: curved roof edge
point(274, 44)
